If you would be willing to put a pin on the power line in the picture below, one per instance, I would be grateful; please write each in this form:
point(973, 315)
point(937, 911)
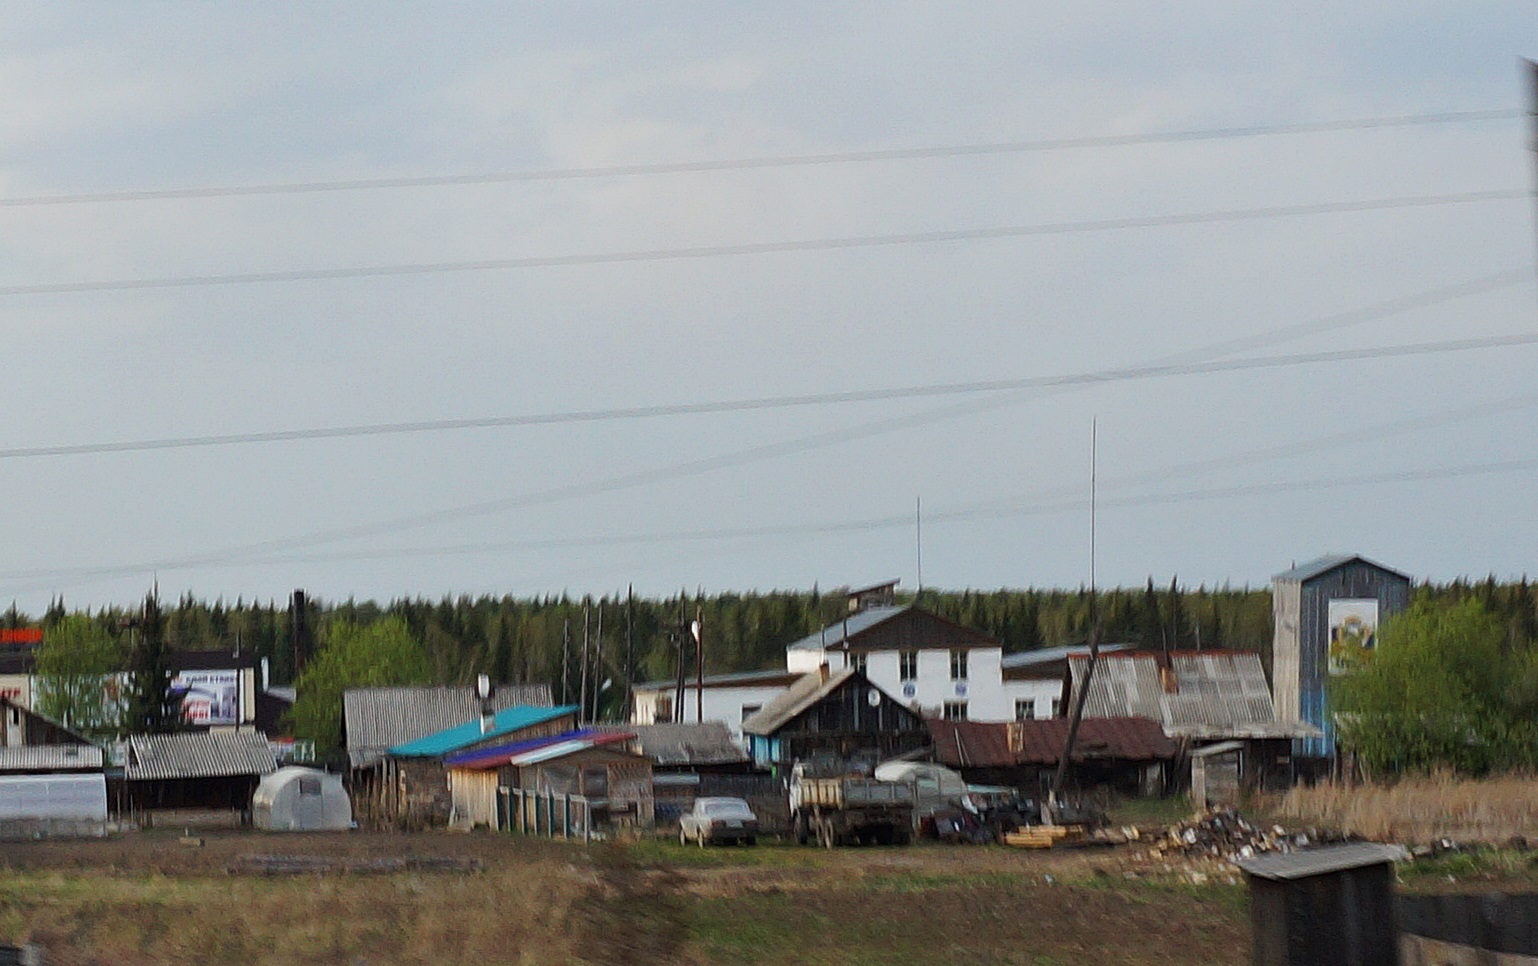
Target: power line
point(697, 467)
point(829, 398)
point(769, 248)
point(787, 161)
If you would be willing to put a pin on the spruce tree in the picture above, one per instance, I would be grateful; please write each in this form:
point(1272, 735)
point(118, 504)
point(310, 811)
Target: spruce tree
point(152, 708)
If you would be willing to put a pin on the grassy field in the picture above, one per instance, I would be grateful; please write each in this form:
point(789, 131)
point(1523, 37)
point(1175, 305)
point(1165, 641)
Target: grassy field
point(1423, 810)
point(143, 899)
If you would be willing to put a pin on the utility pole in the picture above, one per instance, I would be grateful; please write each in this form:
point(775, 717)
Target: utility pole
point(598, 663)
point(582, 695)
point(566, 660)
point(918, 538)
point(1059, 779)
point(698, 633)
point(629, 646)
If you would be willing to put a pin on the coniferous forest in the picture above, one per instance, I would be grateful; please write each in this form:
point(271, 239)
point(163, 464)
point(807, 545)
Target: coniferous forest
point(520, 639)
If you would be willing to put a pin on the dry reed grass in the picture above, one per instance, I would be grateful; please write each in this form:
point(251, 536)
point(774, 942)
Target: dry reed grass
point(1423, 810)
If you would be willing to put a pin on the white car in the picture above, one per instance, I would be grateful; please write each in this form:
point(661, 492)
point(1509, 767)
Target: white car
point(718, 820)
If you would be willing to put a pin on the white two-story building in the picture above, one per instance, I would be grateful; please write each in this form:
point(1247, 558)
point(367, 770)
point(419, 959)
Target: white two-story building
point(932, 664)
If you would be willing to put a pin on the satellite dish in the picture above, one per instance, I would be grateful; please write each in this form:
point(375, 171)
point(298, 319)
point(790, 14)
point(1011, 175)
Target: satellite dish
point(872, 697)
point(482, 686)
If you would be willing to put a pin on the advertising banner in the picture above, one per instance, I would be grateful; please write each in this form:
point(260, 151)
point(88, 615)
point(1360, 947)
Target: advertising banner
point(1353, 633)
point(209, 697)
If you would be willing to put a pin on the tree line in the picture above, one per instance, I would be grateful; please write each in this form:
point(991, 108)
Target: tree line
point(622, 640)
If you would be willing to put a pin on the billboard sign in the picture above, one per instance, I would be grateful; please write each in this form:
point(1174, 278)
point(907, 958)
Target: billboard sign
point(1353, 632)
point(208, 697)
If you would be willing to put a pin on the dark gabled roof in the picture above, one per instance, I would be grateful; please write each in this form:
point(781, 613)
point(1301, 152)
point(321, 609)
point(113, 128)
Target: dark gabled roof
point(686, 744)
point(807, 691)
point(206, 754)
point(1006, 744)
point(846, 632)
point(377, 719)
point(471, 732)
point(1329, 562)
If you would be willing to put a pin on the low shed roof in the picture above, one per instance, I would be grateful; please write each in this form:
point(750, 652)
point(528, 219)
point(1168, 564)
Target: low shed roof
point(536, 750)
point(207, 754)
point(983, 744)
point(51, 758)
point(504, 722)
point(688, 743)
point(377, 719)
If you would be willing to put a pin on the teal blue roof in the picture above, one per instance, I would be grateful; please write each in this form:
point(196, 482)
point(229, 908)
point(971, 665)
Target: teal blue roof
point(504, 722)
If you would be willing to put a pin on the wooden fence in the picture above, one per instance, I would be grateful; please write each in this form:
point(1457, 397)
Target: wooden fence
point(544, 813)
point(1469, 929)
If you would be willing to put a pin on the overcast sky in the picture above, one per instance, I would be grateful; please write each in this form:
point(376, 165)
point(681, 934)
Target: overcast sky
point(1424, 462)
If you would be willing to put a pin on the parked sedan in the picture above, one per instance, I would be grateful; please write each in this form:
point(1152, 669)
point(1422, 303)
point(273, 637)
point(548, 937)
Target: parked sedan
point(718, 820)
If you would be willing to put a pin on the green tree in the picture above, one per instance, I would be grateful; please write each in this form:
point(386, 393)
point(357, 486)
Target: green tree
point(1440, 690)
point(151, 707)
point(353, 656)
point(78, 668)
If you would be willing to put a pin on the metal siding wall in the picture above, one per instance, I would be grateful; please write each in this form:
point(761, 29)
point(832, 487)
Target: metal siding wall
point(1354, 580)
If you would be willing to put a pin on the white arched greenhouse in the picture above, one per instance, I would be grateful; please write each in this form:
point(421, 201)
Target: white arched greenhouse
point(295, 799)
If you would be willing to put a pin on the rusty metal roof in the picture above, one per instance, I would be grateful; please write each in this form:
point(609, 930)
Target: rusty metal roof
point(986, 744)
point(378, 719)
point(209, 754)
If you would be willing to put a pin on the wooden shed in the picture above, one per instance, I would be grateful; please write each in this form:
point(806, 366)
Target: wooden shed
point(835, 715)
point(613, 784)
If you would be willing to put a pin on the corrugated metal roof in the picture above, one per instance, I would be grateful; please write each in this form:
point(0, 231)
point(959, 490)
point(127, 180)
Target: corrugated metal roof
point(1047, 655)
point(769, 678)
point(210, 754)
point(1216, 694)
point(52, 758)
point(378, 719)
point(1327, 563)
point(1005, 744)
point(685, 744)
point(536, 750)
point(807, 691)
point(466, 733)
point(837, 632)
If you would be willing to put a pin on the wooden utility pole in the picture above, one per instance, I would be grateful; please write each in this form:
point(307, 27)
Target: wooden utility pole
point(698, 629)
point(1061, 778)
point(582, 695)
point(629, 646)
point(566, 660)
point(598, 663)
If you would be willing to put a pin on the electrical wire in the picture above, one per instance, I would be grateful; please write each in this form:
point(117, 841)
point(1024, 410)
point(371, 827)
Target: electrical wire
point(768, 248)
point(787, 161)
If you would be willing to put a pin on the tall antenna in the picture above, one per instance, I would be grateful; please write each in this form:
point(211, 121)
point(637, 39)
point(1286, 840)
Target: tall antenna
point(1532, 112)
point(918, 535)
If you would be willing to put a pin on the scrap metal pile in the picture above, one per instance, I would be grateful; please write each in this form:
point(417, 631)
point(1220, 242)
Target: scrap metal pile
point(1223, 833)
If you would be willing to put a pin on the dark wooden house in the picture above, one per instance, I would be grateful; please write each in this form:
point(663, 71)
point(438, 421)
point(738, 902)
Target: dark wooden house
point(832, 715)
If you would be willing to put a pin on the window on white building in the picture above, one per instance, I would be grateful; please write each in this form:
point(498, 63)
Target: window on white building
point(907, 665)
point(1056, 706)
point(749, 710)
point(955, 711)
point(859, 660)
point(1025, 709)
point(958, 665)
point(662, 711)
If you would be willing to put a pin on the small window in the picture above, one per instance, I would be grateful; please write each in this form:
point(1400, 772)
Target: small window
point(309, 786)
point(662, 712)
point(908, 665)
point(955, 711)
point(1025, 709)
point(1056, 706)
point(958, 665)
point(859, 661)
point(749, 710)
